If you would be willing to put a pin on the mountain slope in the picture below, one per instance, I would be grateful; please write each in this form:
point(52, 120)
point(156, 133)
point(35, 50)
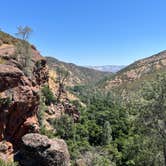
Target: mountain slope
point(77, 75)
point(144, 69)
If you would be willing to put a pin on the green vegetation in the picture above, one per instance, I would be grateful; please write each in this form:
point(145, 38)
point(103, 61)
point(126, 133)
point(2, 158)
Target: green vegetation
point(151, 120)
point(48, 95)
point(107, 133)
point(112, 131)
point(5, 102)
point(46, 98)
point(65, 127)
point(101, 127)
point(78, 75)
point(4, 163)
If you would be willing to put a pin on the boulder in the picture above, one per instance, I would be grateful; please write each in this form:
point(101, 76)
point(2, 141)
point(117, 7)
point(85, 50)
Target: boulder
point(6, 151)
point(39, 150)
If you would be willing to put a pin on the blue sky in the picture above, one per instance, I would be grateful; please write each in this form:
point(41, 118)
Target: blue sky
point(90, 32)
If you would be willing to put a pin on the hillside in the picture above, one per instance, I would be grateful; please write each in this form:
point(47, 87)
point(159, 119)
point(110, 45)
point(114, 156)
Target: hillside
point(137, 72)
point(77, 75)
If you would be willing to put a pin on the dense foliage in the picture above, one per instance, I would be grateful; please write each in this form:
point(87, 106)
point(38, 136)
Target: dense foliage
point(48, 95)
point(100, 133)
point(112, 133)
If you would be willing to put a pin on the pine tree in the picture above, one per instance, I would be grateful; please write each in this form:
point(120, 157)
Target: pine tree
point(107, 134)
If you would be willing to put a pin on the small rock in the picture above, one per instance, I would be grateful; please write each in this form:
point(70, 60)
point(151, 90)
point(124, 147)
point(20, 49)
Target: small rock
point(80, 162)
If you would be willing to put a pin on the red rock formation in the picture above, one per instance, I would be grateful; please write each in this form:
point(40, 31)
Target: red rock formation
point(65, 107)
point(19, 102)
point(19, 99)
point(71, 110)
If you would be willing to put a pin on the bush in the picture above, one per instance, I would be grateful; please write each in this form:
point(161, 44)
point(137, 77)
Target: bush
point(5, 102)
point(65, 127)
point(48, 133)
point(4, 163)
point(48, 95)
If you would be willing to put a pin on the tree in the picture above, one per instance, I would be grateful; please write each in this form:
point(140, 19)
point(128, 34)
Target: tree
point(107, 134)
point(48, 95)
point(152, 117)
point(62, 76)
point(24, 32)
point(65, 127)
point(23, 49)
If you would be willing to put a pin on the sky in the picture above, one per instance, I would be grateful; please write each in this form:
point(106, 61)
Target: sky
point(90, 32)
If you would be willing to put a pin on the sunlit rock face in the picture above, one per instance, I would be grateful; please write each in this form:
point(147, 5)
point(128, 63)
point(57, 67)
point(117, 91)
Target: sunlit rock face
point(19, 97)
point(19, 104)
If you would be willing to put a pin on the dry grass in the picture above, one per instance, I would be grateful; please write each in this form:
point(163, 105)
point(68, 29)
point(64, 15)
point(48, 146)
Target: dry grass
point(2, 61)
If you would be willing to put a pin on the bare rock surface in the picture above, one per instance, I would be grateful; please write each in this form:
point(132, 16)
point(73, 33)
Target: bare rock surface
point(19, 94)
point(38, 150)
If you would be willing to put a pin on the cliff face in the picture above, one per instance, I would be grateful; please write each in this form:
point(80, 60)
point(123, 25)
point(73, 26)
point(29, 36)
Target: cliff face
point(19, 98)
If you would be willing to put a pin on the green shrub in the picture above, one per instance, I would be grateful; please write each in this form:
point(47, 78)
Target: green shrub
point(65, 127)
point(48, 95)
point(5, 102)
point(48, 133)
point(4, 163)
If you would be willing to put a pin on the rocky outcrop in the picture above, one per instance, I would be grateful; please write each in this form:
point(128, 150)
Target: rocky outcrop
point(71, 110)
point(19, 98)
point(20, 85)
point(56, 111)
point(64, 106)
point(38, 150)
point(6, 151)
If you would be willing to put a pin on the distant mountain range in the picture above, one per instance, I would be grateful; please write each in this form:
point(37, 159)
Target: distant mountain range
point(108, 68)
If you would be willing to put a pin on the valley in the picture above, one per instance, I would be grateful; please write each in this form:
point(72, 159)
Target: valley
point(90, 117)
